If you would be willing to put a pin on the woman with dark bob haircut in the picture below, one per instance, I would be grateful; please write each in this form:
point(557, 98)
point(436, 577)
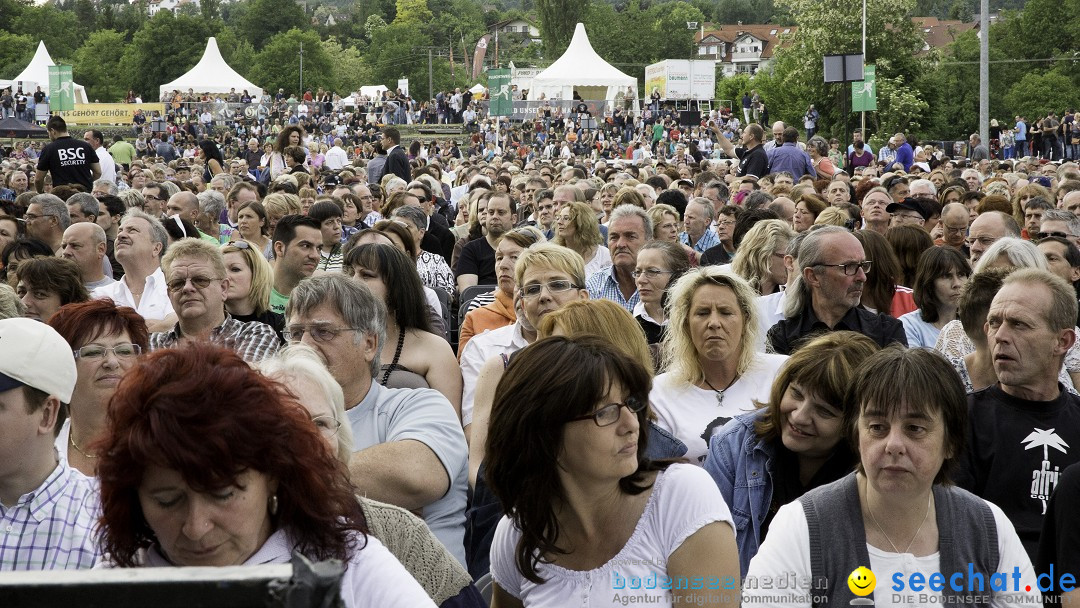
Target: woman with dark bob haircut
point(906, 418)
point(196, 481)
point(413, 355)
point(566, 458)
point(940, 277)
point(767, 458)
point(46, 284)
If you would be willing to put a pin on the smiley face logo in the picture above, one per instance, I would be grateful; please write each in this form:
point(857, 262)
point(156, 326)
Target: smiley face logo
point(862, 581)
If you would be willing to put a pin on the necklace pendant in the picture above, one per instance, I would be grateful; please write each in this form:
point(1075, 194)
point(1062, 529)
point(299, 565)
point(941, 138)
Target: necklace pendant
point(719, 397)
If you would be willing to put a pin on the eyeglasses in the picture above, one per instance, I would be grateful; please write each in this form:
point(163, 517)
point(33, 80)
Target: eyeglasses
point(319, 333)
point(29, 217)
point(954, 229)
point(1061, 235)
point(533, 290)
point(851, 268)
point(151, 197)
point(122, 351)
point(650, 273)
point(609, 414)
point(725, 222)
point(200, 282)
point(327, 425)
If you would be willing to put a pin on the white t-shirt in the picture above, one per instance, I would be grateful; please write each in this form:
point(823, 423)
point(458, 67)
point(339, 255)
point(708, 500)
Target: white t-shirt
point(786, 551)
point(684, 499)
point(693, 415)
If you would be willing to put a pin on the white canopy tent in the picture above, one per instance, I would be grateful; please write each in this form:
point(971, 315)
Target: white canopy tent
point(478, 89)
point(36, 74)
point(581, 69)
point(211, 75)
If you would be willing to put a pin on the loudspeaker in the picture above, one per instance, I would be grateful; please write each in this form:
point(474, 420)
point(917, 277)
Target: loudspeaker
point(689, 118)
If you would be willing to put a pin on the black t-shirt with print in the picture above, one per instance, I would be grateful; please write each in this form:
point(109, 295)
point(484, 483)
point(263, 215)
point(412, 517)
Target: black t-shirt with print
point(68, 160)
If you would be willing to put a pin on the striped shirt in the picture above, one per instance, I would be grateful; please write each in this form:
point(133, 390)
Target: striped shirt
point(603, 286)
point(253, 341)
point(53, 527)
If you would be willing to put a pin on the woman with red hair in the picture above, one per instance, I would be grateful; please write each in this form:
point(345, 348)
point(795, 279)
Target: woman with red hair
point(106, 340)
point(208, 463)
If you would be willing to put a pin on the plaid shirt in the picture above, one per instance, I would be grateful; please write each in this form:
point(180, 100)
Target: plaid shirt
point(53, 527)
point(707, 240)
point(253, 341)
point(603, 286)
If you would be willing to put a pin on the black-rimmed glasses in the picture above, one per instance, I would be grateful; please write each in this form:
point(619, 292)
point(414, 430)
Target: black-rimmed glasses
point(609, 414)
point(851, 268)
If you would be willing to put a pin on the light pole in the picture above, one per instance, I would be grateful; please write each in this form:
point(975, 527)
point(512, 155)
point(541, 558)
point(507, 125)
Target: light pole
point(301, 69)
point(862, 120)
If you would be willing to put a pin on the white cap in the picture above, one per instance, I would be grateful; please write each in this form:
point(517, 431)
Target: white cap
point(33, 354)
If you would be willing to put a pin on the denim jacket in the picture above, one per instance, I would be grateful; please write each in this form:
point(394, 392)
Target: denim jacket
point(741, 465)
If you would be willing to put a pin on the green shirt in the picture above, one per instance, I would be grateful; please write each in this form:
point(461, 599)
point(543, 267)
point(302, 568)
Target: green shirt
point(122, 152)
point(208, 238)
point(278, 302)
point(657, 132)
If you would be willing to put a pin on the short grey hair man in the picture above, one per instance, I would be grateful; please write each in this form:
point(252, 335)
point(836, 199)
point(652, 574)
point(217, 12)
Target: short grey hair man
point(625, 211)
point(157, 230)
point(105, 186)
point(359, 308)
point(922, 187)
point(55, 206)
point(82, 207)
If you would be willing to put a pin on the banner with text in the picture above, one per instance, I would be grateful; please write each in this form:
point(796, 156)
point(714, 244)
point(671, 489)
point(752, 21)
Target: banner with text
point(864, 92)
point(109, 113)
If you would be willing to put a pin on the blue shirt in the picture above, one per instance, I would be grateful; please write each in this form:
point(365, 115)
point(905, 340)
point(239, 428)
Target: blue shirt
point(1021, 131)
point(707, 240)
point(905, 156)
point(603, 286)
point(790, 158)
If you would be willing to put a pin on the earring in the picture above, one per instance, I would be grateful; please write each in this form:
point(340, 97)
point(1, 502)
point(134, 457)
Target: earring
point(273, 504)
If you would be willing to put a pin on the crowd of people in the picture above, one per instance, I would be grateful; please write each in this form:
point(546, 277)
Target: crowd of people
point(536, 380)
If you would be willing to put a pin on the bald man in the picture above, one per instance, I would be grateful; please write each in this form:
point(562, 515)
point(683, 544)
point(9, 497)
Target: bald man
point(185, 205)
point(954, 225)
point(85, 244)
point(777, 136)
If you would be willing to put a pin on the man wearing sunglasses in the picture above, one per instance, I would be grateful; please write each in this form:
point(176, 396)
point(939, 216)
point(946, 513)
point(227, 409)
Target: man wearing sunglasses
point(197, 282)
point(826, 295)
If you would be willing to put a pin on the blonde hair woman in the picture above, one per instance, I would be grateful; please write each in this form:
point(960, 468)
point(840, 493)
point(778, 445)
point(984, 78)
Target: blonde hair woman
point(713, 369)
point(577, 229)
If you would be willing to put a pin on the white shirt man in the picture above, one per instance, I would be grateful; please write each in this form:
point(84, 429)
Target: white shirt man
point(335, 157)
point(139, 246)
point(105, 160)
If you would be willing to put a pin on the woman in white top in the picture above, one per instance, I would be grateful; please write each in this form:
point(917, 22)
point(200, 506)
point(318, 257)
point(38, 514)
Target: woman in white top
point(591, 521)
point(659, 265)
point(577, 228)
point(897, 515)
point(713, 371)
point(939, 279)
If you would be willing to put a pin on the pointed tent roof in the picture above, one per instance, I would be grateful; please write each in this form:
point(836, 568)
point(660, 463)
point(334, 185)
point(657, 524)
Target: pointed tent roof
point(580, 66)
point(37, 72)
point(211, 75)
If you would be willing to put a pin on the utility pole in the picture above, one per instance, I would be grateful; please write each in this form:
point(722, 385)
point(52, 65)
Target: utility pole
point(301, 69)
point(862, 120)
point(432, 52)
point(430, 86)
point(984, 72)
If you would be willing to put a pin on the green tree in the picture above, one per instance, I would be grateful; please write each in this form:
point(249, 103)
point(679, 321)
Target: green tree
point(558, 18)
point(396, 52)
point(350, 69)
point(1036, 94)
point(210, 9)
point(277, 65)
point(412, 12)
point(16, 50)
point(57, 29)
point(162, 50)
point(672, 39)
point(265, 19)
point(101, 76)
point(797, 77)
